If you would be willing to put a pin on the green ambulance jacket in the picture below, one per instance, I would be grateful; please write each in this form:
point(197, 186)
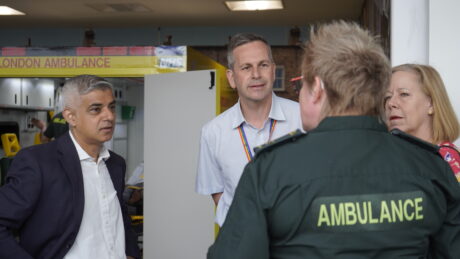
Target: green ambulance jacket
point(347, 189)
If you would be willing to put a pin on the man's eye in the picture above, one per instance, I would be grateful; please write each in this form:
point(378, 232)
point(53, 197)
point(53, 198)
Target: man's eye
point(95, 110)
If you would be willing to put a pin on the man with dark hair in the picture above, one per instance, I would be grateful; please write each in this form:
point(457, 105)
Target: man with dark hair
point(65, 197)
point(260, 116)
point(347, 188)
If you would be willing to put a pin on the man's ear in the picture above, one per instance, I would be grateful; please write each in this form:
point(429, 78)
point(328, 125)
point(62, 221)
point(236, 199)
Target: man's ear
point(231, 79)
point(69, 116)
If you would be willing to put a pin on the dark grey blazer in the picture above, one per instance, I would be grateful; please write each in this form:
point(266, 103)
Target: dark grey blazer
point(43, 199)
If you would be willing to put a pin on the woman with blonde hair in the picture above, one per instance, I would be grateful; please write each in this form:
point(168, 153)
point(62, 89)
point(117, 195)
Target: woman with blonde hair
point(417, 103)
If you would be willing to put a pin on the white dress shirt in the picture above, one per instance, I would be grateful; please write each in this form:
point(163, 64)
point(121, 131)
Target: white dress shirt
point(101, 233)
point(222, 156)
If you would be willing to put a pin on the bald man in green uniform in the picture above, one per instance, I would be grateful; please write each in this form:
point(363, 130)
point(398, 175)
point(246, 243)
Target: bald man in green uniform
point(347, 188)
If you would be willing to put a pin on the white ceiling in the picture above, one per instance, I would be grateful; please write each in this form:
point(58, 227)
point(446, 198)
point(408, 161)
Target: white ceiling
point(77, 13)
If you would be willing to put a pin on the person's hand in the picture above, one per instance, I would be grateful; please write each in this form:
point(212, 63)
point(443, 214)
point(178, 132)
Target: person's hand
point(38, 123)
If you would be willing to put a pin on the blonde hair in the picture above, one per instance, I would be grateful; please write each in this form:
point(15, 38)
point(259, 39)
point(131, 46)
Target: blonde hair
point(445, 123)
point(355, 71)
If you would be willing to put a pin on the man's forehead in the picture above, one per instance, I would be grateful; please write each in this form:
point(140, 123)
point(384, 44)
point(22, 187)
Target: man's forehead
point(252, 50)
point(98, 97)
point(251, 59)
point(104, 91)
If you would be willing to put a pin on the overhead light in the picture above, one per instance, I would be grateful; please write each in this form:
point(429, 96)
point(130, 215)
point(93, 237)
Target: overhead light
point(254, 5)
point(5, 10)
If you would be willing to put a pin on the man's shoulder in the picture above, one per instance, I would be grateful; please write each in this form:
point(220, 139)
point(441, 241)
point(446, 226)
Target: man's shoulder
point(39, 152)
point(61, 145)
point(288, 138)
point(290, 110)
point(116, 157)
point(115, 161)
point(284, 102)
point(222, 120)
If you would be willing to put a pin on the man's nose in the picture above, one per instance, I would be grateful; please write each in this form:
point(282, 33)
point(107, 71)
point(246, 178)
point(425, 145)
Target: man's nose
point(255, 73)
point(109, 114)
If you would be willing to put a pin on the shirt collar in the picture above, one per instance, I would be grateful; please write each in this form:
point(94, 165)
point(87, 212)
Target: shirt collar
point(276, 112)
point(103, 154)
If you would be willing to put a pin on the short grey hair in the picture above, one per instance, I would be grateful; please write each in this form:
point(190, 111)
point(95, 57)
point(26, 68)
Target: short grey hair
point(241, 39)
point(81, 85)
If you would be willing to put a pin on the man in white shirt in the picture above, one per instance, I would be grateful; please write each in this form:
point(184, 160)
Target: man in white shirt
point(228, 141)
point(65, 197)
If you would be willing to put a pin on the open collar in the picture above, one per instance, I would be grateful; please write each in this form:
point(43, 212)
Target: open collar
point(83, 155)
point(276, 112)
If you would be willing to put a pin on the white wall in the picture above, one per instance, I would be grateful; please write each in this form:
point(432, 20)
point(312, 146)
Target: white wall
point(178, 222)
point(409, 31)
point(444, 46)
point(135, 97)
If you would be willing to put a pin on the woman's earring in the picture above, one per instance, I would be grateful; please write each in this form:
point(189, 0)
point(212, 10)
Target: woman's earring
point(430, 111)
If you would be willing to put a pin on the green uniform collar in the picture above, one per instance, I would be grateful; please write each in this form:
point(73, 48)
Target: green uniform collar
point(340, 123)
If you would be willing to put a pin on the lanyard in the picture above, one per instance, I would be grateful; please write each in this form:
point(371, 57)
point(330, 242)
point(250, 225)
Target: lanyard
point(244, 140)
